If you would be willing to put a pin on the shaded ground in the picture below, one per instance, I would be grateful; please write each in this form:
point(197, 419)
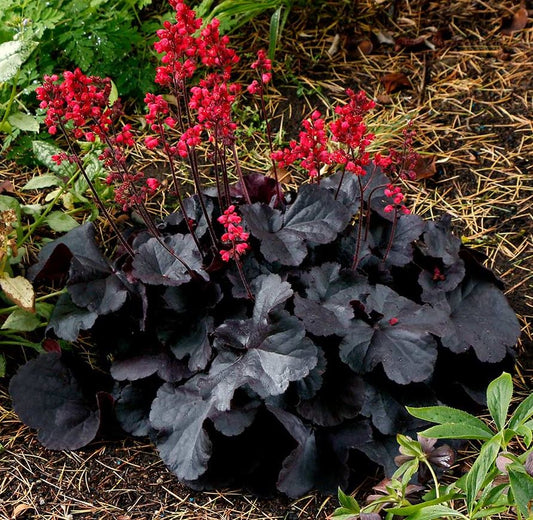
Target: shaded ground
point(470, 98)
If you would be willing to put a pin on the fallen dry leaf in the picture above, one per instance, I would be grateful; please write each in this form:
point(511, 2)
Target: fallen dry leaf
point(284, 176)
point(425, 167)
point(7, 186)
point(365, 47)
point(334, 48)
point(515, 23)
point(395, 81)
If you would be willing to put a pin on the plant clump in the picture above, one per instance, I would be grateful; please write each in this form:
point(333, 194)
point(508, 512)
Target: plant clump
point(260, 338)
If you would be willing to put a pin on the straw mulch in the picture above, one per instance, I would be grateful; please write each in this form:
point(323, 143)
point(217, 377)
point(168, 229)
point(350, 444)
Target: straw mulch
point(468, 91)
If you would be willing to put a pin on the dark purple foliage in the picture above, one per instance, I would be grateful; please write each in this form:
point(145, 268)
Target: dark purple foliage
point(48, 396)
point(299, 388)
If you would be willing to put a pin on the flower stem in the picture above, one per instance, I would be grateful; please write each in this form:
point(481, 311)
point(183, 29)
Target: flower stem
point(243, 279)
point(177, 189)
point(95, 193)
point(12, 97)
point(239, 173)
point(391, 238)
point(359, 227)
point(269, 138)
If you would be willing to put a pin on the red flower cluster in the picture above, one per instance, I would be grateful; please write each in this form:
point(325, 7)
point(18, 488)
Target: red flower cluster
point(311, 149)
point(263, 66)
point(213, 49)
point(213, 100)
point(81, 103)
point(157, 112)
point(129, 191)
point(395, 193)
point(234, 235)
point(84, 100)
point(381, 161)
point(348, 130)
point(178, 45)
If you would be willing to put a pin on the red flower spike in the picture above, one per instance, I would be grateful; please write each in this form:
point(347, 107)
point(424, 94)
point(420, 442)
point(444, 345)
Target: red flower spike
point(151, 142)
point(310, 150)
point(254, 87)
point(179, 46)
point(234, 235)
point(349, 129)
point(262, 63)
point(395, 193)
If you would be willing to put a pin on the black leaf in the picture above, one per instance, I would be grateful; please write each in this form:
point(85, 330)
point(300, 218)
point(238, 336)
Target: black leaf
point(47, 396)
point(154, 264)
point(399, 339)
point(314, 217)
point(480, 318)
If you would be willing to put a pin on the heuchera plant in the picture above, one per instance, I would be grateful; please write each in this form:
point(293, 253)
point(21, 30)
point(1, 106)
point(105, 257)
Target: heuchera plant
point(258, 337)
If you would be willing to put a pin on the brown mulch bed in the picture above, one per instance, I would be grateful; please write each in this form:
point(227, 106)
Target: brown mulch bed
point(468, 93)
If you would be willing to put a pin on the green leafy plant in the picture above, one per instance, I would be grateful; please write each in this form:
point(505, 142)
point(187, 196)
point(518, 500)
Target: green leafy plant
point(20, 311)
point(232, 14)
point(97, 35)
point(499, 481)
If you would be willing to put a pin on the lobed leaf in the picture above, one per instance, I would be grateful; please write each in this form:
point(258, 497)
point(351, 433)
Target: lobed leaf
point(315, 217)
point(156, 264)
point(132, 408)
point(300, 469)
point(68, 319)
point(481, 319)
point(402, 346)
point(179, 414)
point(326, 309)
point(48, 397)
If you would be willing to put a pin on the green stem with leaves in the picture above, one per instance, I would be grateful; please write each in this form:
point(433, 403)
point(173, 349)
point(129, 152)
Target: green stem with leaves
point(11, 100)
point(40, 219)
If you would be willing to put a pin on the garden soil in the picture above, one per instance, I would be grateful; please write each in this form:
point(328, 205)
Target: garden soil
point(462, 72)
